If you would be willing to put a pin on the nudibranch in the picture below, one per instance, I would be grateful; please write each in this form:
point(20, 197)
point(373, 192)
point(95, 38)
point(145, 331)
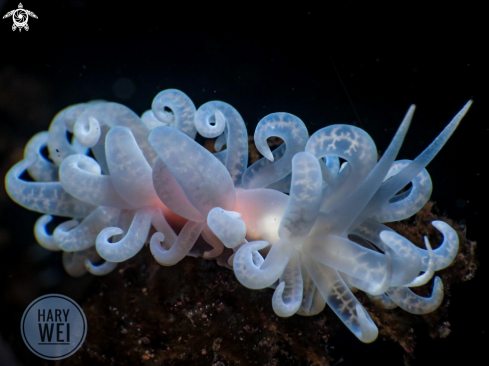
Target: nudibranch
point(297, 220)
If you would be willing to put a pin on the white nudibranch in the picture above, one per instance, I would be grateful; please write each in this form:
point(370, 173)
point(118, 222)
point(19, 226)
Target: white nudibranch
point(295, 220)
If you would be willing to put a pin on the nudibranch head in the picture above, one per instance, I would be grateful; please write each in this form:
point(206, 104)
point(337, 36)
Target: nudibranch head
point(297, 220)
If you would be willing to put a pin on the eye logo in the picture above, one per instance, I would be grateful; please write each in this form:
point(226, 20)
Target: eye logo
point(20, 17)
point(53, 327)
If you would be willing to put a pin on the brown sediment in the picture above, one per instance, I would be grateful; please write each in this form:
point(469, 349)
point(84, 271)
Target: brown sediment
point(195, 312)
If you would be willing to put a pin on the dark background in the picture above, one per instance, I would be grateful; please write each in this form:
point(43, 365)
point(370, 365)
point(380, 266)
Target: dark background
point(343, 62)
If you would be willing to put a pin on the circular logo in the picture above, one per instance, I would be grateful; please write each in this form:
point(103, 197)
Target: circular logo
point(20, 17)
point(53, 327)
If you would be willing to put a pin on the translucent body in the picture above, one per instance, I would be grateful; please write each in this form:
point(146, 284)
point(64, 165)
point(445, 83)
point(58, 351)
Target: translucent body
point(296, 220)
